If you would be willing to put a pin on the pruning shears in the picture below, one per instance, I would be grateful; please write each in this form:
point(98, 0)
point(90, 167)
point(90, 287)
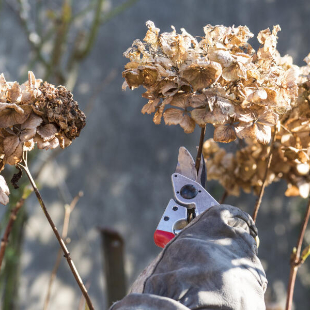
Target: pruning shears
point(190, 198)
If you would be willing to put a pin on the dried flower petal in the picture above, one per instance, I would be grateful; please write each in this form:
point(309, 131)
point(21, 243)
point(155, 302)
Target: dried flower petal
point(4, 191)
point(202, 75)
point(47, 132)
point(224, 133)
point(150, 107)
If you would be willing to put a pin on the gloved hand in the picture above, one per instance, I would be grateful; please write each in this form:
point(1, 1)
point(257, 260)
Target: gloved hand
point(211, 264)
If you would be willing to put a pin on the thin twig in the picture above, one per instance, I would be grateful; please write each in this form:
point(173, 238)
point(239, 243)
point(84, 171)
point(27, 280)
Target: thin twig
point(261, 193)
point(223, 198)
point(59, 43)
point(58, 237)
point(9, 227)
point(296, 260)
point(29, 34)
point(80, 54)
point(118, 10)
point(68, 210)
point(199, 152)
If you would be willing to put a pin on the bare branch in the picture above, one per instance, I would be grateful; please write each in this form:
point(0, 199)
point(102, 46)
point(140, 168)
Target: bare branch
point(68, 210)
point(5, 239)
point(199, 152)
point(58, 237)
point(261, 193)
point(296, 261)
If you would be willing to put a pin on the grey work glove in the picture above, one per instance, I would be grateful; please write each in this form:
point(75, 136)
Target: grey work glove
point(211, 264)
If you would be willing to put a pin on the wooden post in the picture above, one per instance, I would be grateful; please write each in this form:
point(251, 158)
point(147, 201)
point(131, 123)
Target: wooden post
point(113, 264)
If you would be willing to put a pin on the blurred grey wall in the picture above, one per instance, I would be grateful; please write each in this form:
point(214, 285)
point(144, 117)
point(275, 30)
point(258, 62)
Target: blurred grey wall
point(123, 162)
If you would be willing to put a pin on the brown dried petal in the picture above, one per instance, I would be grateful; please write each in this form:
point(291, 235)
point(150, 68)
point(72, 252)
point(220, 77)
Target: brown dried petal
point(290, 77)
point(10, 144)
point(134, 78)
point(2, 82)
point(150, 107)
point(176, 116)
point(27, 134)
point(234, 72)
point(125, 85)
point(63, 141)
point(14, 93)
point(4, 191)
point(168, 88)
point(33, 121)
point(152, 34)
point(187, 123)
point(157, 116)
point(225, 105)
point(198, 100)
point(202, 75)
point(292, 190)
point(209, 148)
point(26, 97)
point(263, 133)
point(268, 118)
point(11, 114)
point(224, 133)
point(256, 95)
point(173, 116)
point(216, 117)
point(150, 75)
point(198, 115)
point(47, 132)
point(180, 100)
point(223, 57)
point(48, 144)
point(16, 156)
point(246, 130)
point(296, 154)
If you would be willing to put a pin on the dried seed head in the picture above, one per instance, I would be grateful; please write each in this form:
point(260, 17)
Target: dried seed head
point(245, 94)
point(35, 113)
point(222, 70)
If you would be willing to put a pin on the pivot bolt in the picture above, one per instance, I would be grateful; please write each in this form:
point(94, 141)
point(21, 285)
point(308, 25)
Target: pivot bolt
point(188, 191)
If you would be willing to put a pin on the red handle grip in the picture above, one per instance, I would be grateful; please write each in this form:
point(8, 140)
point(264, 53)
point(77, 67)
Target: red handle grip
point(161, 238)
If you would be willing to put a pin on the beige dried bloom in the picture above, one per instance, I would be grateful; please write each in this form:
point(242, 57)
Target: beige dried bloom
point(290, 155)
point(35, 113)
point(219, 79)
point(246, 167)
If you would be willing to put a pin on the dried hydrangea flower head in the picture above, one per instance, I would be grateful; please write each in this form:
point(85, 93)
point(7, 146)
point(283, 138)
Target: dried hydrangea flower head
point(290, 153)
point(35, 113)
point(219, 79)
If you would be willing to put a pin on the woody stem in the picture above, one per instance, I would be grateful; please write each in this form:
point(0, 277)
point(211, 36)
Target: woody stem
point(62, 244)
point(199, 152)
point(296, 261)
point(261, 193)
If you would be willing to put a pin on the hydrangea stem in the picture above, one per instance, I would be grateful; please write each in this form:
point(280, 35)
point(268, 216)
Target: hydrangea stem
point(62, 244)
point(261, 193)
point(296, 260)
point(199, 152)
point(9, 227)
point(68, 211)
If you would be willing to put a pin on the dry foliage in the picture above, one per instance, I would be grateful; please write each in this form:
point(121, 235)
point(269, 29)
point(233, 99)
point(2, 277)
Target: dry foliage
point(221, 80)
point(290, 153)
point(34, 113)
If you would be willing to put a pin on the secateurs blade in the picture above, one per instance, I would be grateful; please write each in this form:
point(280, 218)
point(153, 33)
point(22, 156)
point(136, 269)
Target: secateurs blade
point(190, 198)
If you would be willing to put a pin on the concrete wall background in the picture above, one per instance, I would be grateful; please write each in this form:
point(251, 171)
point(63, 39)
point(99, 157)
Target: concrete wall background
point(123, 162)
